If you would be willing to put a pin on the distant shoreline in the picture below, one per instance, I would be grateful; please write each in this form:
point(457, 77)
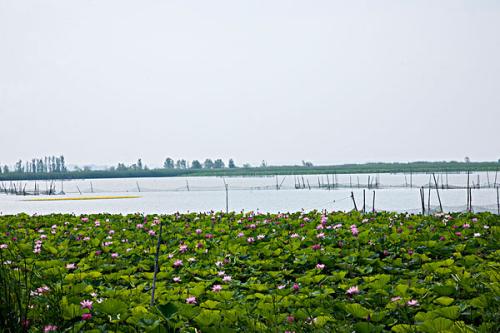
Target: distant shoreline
point(413, 167)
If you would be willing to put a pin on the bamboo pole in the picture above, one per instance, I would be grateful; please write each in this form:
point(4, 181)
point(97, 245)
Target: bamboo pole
point(422, 199)
point(373, 202)
point(498, 201)
point(156, 266)
point(437, 192)
point(227, 198)
point(354, 201)
point(364, 201)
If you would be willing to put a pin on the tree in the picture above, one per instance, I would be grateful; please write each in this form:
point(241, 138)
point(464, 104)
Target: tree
point(121, 167)
point(231, 164)
point(58, 164)
point(169, 163)
point(247, 165)
point(196, 164)
point(63, 165)
point(263, 164)
point(19, 166)
point(306, 164)
point(139, 164)
point(219, 164)
point(181, 164)
point(467, 159)
point(208, 164)
point(5, 169)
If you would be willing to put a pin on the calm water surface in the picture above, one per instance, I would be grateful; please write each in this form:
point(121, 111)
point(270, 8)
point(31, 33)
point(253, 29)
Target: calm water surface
point(168, 195)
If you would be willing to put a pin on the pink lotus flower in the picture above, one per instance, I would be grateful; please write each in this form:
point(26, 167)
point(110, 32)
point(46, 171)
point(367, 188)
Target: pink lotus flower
point(3, 246)
point(241, 235)
point(221, 273)
point(352, 291)
point(290, 319)
point(354, 230)
point(85, 219)
point(260, 237)
point(474, 219)
point(250, 239)
point(395, 299)
point(216, 288)
point(466, 226)
point(49, 328)
point(320, 235)
point(227, 278)
point(177, 279)
point(183, 248)
point(178, 263)
point(43, 290)
point(320, 266)
point(70, 266)
point(412, 302)
point(114, 255)
point(296, 286)
point(86, 304)
point(86, 316)
point(209, 236)
point(191, 300)
point(97, 223)
point(281, 286)
point(198, 231)
point(316, 247)
point(139, 226)
point(458, 233)
point(151, 232)
point(294, 235)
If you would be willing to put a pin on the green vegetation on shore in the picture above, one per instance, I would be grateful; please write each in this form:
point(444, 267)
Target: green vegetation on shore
point(413, 167)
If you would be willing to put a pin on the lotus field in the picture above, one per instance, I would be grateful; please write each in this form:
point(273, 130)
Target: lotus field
point(250, 272)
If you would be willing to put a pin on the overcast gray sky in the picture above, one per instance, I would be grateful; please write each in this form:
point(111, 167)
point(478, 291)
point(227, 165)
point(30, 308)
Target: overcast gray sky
point(326, 81)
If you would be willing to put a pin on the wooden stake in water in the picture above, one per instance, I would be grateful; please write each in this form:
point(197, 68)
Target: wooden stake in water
point(429, 200)
point(437, 192)
point(422, 199)
point(468, 201)
point(156, 266)
point(498, 201)
point(354, 201)
point(364, 201)
point(227, 198)
point(373, 202)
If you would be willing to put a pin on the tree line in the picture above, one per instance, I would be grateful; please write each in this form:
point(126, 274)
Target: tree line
point(47, 164)
point(180, 164)
point(196, 164)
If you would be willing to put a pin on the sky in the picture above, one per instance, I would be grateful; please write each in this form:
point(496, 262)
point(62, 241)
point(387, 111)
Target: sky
point(330, 82)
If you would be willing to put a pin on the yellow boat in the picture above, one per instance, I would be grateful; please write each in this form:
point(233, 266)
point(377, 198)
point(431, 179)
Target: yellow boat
point(99, 197)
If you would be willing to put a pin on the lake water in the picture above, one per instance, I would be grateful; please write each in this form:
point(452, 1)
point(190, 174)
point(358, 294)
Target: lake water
point(168, 195)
